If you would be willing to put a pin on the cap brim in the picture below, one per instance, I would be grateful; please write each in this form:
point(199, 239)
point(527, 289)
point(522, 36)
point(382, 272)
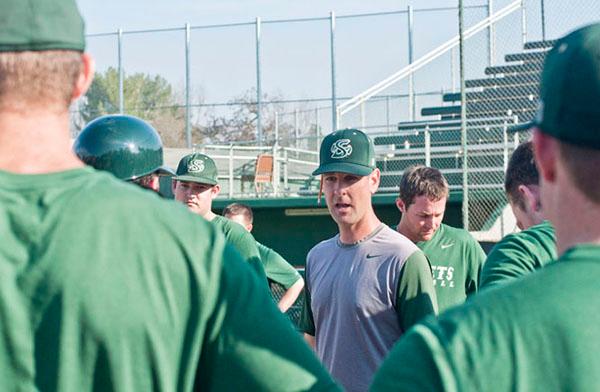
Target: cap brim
point(165, 171)
point(344, 167)
point(198, 179)
point(522, 127)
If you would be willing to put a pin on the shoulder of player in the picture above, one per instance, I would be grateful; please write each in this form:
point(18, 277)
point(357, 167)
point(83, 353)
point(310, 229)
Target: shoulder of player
point(457, 234)
point(397, 241)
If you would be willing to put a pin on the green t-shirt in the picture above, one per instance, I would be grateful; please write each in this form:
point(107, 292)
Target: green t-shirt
point(537, 333)
point(519, 254)
point(456, 259)
point(105, 286)
point(242, 241)
point(277, 268)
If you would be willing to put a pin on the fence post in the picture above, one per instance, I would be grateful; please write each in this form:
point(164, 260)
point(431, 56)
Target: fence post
point(463, 117)
point(491, 35)
point(120, 62)
point(296, 130)
point(231, 171)
point(188, 122)
point(275, 151)
point(427, 146)
point(523, 22)
point(285, 168)
point(259, 133)
point(334, 111)
point(542, 10)
point(411, 80)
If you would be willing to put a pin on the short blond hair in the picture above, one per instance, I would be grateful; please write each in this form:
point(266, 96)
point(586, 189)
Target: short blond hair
point(32, 79)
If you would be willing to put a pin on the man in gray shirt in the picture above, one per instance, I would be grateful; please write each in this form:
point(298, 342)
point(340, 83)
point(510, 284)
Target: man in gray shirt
point(368, 284)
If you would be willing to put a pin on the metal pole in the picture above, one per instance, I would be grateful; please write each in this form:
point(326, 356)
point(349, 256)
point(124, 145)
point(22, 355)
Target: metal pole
point(411, 80)
point(427, 147)
point(120, 60)
point(334, 111)
point(453, 68)
point(463, 117)
point(285, 168)
point(259, 134)
point(296, 130)
point(188, 121)
point(276, 128)
point(231, 171)
point(318, 128)
point(543, 20)
point(491, 34)
point(523, 22)
point(275, 169)
point(387, 114)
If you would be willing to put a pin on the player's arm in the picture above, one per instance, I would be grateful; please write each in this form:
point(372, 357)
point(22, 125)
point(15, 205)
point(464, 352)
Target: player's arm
point(307, 322)
point(415, 296)
point(476, 260)
point(248, 343)
point(281, 272)
point(291, 295)
point(410, 365)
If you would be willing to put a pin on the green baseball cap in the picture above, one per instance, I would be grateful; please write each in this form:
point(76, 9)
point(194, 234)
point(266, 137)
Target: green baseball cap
point(197, 167)
point(40, 25)
point(570, 89)
point(346, 151)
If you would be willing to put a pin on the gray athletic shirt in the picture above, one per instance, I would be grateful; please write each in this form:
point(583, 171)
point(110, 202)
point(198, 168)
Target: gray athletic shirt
point(360, 300)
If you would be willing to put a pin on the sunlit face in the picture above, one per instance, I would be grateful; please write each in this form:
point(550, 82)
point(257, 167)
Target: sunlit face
point(422, 218)
point(198, 197)
point(348, 196)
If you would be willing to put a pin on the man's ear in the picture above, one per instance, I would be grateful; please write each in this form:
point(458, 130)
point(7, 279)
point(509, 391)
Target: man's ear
point(84, 80)
point(374, 180)
point(400, 204)
point(545, 149)
point(173, 185)
point(249, 227)
point(215, 190)
point(531, 196)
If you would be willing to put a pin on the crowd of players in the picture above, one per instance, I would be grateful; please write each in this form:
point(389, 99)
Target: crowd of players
point(107, 286)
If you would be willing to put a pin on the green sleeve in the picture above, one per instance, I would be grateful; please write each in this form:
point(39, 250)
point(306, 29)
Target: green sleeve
point(476, 257)
point(307, 322)
point(508, 260)
point(415, 297)
point(410, 366)
point(249, 345)
point(245, 244)
point(277, 268)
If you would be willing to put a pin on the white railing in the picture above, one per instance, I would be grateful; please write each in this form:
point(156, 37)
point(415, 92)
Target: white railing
point(410, 69)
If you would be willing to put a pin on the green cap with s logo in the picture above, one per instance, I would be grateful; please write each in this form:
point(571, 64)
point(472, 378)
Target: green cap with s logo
point(346, 151)
point(198, 168)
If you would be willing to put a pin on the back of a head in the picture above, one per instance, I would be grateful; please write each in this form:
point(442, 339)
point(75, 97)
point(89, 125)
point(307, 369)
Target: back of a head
point(126, 146)
point(570, 105)
point(239, 209)
point(40, 54)
point(422, 181)
point(521, 170)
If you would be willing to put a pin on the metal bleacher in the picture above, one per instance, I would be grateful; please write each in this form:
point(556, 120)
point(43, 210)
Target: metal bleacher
point(506, 97)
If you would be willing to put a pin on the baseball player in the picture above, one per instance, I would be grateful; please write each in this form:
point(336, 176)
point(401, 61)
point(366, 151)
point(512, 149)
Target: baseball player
point(521, 253)
point(276, 268)
point(540, 332)
point(104, 286)
point(367, 285)
point(196, 185)
point(125, 146)
point(456, 257)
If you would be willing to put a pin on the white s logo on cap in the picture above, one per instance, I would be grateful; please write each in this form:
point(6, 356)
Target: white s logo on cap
point(196, 166)
point(341, 149)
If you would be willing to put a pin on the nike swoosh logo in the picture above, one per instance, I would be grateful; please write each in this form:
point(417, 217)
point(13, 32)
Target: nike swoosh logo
point(444, 246)
point(371, 256)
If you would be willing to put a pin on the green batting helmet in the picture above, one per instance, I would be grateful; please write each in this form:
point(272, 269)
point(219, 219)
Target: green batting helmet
point(126, 146)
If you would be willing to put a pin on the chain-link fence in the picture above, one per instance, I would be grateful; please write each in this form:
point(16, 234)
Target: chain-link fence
point(501, 92)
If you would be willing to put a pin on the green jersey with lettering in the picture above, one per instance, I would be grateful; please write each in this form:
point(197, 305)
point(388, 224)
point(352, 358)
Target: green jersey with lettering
point(277, 268)
point(105, 286)
point(537, 333)
point(242, 241)
point(456, 259)
point(519, 254)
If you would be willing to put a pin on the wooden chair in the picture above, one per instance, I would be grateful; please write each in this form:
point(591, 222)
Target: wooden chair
point(263, 175)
